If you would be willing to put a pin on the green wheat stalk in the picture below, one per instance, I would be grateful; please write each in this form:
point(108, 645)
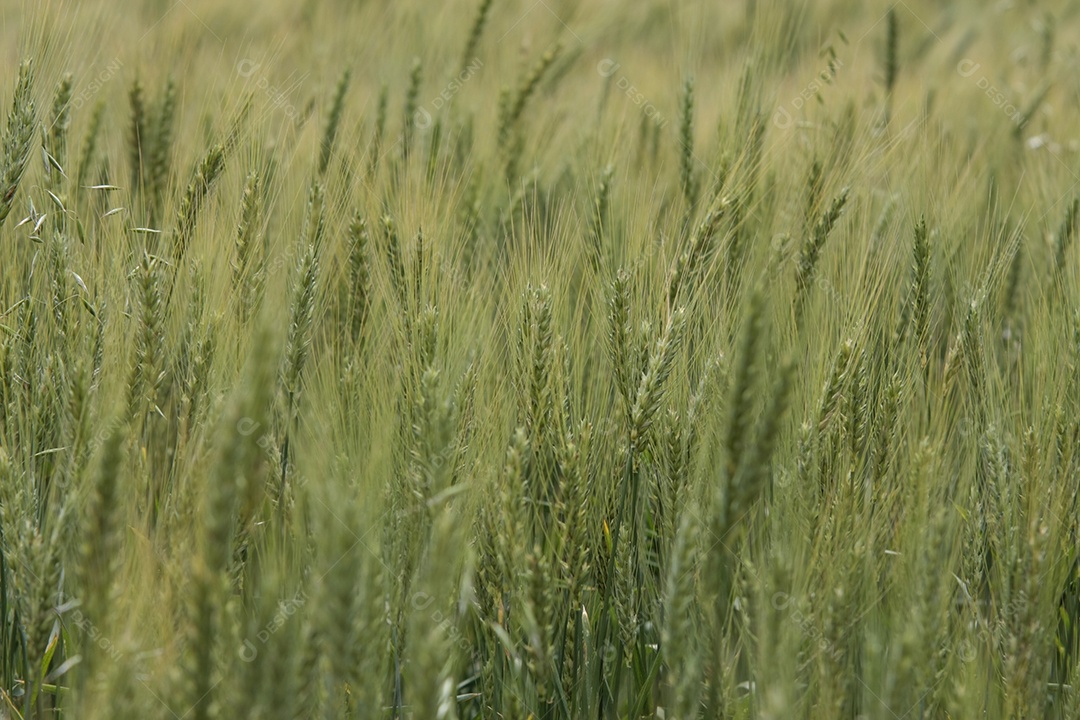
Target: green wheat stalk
point(18, 134)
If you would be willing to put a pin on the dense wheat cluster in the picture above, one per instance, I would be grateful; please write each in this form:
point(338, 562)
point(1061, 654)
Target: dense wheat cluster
point(553, 361)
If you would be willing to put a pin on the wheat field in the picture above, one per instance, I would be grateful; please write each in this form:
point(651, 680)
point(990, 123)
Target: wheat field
point(539, 360)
